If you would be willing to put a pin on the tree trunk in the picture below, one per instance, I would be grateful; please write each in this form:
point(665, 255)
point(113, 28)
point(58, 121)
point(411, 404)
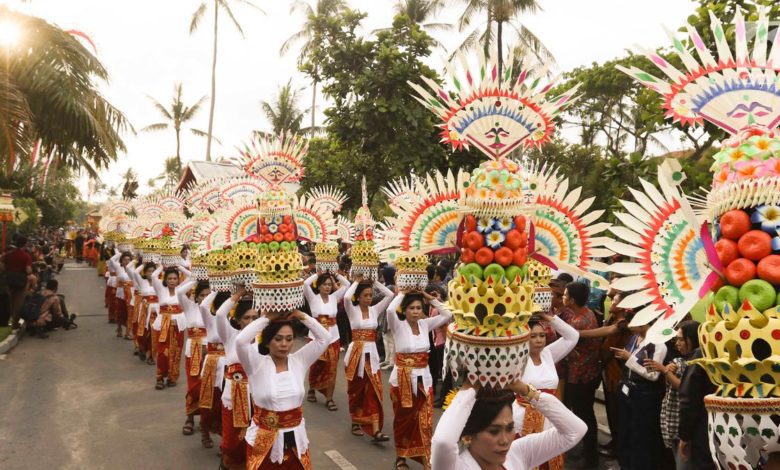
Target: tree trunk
point(313, 103)
point(213, 83)
point(178, 147)
point(500, 40)
point(487, 32)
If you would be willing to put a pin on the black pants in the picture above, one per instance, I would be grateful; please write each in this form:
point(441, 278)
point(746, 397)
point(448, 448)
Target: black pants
point(580, 398)
point(640, 429)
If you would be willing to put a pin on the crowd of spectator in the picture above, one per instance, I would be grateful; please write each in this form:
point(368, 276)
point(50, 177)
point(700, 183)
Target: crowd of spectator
point(28, 289)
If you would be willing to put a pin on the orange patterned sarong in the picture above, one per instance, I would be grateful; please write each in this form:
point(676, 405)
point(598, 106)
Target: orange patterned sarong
point(533, 423)
point(268, 423)
point(413, 426)
point(404, 363)
point(322, 373)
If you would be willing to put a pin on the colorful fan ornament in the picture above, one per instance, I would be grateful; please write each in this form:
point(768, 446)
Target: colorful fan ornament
point(494, 217)
point(275, 159)
point(496, 114)
point(365, 258)
point(676, 260)
point(316, 223)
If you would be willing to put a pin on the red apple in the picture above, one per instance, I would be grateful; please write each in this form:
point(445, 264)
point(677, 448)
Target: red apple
point(769, 269)
point(514, 239)
point(727, 251)
point(734, 224)
point(755, 245)
point(503, 256)
point(520, 257)
point(740, 271)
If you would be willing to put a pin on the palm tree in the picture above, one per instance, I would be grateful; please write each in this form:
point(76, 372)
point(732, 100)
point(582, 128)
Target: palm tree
point(283, 112)
point(176, 115)
point(129, 185)
point(170, 174)
point(500, 13)
point(223, 5)
point(308, 34)
point(421, 12)
point(49, 84)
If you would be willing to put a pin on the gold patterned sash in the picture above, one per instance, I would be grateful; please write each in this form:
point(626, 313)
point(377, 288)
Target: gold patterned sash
point(146, 301)
point(269, 423)
point(533, 423)
point(359, 338)
point(239, 395)
point(196, 336)
point(167, 311)
point(404, 363)
point(214, 351)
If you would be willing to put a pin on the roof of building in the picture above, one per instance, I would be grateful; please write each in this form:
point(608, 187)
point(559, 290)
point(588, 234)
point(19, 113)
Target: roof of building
point(197, 171)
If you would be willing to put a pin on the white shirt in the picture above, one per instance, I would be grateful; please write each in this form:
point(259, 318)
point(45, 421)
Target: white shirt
point(166, 298)
point(145, 288)
point(358, 322)
point(120, 274)
point(227, 336)
point(408, 342)
point(280, 391)
point(191, 311)
point(544, 375)
point(524, 453)
point(317, 306)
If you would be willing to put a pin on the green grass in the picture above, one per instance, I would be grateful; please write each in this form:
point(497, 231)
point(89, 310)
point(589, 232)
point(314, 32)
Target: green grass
point(4, 332)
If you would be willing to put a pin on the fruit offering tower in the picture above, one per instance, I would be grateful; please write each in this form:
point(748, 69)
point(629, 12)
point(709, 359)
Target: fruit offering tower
point(490, 219)
point(365, 258)
point(730, 246)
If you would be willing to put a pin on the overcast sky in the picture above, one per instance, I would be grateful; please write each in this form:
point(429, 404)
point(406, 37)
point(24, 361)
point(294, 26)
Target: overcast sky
point(146, 46)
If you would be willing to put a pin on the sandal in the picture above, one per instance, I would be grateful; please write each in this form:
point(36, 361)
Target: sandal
point(128, 337)
point(159, 385)
point(188, 428)
point(356, 431)
point(331, 405)
point(118, 334)
point(170, 383)
point(380, 437)
point(207, 442)
point(400, 464)
point(150, 360)
point(311, 396)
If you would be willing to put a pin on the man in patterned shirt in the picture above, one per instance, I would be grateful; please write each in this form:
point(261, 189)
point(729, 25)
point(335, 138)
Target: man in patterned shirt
point(582, 368)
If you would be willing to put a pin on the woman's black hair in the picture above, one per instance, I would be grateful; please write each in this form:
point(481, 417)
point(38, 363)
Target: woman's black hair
point(200, 287)
point(270, 332)
point(488, 405)
point(407, 301)
point(322, 278)
point(359, 290)
point(148, 266)
point(690, 332)
point(220, 299)
point(170, 270)
point(242, 306)
point(125, 253)
point(535, 320)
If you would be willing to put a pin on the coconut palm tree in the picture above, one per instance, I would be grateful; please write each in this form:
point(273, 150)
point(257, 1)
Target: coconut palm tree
point(421, 12)
point(225, 6)
point(283, 113)
point(497, 14)
point(49, 87)
point(176, 115)
point(308, 35)
point(129, 184)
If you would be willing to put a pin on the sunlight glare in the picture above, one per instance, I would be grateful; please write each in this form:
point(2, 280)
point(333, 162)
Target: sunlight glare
point(9, 33)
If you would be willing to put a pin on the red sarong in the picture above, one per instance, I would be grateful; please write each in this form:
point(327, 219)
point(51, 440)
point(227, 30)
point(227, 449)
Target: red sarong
point(120, 311)
point(110, 296)
point(413, 426)
point(289, 461)
point(152, 335)
point(192, 397)
point(365, 393)
point(322, 373)
point(533, 423)
point(210, 394)
point(233, 445)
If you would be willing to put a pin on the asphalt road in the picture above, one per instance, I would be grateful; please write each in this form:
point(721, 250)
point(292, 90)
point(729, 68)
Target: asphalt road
point(81, 400)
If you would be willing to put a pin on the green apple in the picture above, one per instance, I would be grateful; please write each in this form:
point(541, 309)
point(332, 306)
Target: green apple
point(471, 270)
point(727, 295)
point(759, 293)
point(512, 272)
point(495, 271)
point(524, 272)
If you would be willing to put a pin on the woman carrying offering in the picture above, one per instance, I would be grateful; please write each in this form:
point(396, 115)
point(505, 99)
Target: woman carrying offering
point(193, 352)
point(147, 311)
point(482, 422)
point(540, 372)
point(364, 379)
point(277, 437)
point(124, 291)
point(323, 299)
point(235, 393)
point(170, 325)
point(213, 372)
point(411, 382)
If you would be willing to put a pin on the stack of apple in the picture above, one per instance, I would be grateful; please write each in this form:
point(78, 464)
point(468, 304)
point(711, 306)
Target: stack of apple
point(748, 249)
point(277, 233)
point(494, 248)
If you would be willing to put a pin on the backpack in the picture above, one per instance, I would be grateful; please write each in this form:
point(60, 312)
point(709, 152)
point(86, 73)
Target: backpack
point(31, 309)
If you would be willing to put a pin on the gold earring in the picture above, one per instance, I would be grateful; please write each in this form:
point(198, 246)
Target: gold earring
point(466, 441)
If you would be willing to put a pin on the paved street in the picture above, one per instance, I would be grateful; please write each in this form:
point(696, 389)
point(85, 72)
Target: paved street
point(81, 400)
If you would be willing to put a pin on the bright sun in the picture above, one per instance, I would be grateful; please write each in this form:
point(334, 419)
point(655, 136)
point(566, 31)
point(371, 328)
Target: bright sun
point(9, 33)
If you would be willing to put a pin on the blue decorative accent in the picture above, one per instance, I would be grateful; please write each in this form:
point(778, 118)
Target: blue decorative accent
point(504, 111)
point(732, 85)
